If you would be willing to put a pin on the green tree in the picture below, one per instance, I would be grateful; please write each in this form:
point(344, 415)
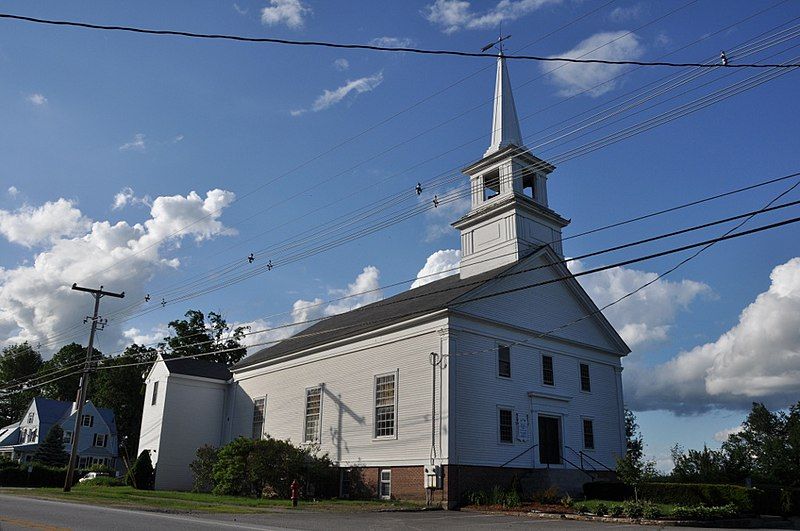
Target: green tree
point(121, 389)
point(17, 363)
point(51, 451)
point(695, 466)
point(203, 468)
point(69, 358)
point(194, 337)
point(632, 468)
point(633, 437)
point(141, 475)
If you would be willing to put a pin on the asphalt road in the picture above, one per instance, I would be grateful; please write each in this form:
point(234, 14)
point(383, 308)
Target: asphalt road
point(20, 513)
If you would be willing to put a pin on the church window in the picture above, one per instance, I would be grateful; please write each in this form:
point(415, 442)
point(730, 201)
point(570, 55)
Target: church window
point(548, 377)
point(506, 425)
point(313, 411)
point(259, 406)
point(528, 180)
point(588, 434)
point(385, 405)
point(491, 184)
point(586, 383)
point(155, 394)
point(504, 361)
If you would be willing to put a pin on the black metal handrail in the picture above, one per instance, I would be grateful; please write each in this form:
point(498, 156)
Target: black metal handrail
point(576, 467)
point(583, 455)
point(519, 455)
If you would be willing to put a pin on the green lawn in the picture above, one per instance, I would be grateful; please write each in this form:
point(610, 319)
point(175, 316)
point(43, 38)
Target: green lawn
point(192, 501)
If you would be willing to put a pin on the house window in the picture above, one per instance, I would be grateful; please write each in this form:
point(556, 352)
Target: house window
point(83, 462)
point(547, 370)
point(259, 405)
point(87, 421)
point(30, 417)
point(385, 489)
point(22, 435)
point(385, 404)
point(588, 434)
point(506, 426)
point(67, 437)
point(586, 383)
point(313, 409)
point(155, 394)
point(491, 185)
point(504, 361)
point(32, 435)
point(100, 440)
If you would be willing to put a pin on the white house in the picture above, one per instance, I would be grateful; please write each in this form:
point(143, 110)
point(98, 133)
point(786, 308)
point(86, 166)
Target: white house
point(98, 437)
point(505, 370)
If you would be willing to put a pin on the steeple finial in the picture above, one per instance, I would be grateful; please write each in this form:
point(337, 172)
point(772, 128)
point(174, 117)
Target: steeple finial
point(505, 124)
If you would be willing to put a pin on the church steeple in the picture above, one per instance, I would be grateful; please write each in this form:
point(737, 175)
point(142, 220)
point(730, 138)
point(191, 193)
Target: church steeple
point(510, 216)
point(505, 124)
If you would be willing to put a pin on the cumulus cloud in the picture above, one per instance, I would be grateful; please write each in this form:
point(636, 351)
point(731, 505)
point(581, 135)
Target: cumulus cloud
point(757, 359)
point(36, 99)
point(455, 15)
point(573, 78)
point(331, 97)
point(134, 335)
point(13, 191)
point(722, 435)
point(289, 12)
point(341, 64)
point(438, 265)
point(646, 316)
point(31, 226)
point(35, 299)
point(138, 143)
point(126, 197)
point(392, 42)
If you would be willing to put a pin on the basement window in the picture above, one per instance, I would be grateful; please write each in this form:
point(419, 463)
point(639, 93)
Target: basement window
point(386, 484)
point(491, 185)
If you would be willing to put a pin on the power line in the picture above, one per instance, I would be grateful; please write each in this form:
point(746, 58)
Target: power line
point(372, 47)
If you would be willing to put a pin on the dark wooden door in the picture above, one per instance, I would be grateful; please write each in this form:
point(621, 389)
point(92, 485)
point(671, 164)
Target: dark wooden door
point(549, 440)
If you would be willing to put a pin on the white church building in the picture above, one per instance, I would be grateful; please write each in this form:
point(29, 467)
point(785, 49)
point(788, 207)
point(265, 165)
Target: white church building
point(526, 382)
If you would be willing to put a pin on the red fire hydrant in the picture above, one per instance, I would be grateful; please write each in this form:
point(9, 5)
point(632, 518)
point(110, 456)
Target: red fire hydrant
point(295, 488)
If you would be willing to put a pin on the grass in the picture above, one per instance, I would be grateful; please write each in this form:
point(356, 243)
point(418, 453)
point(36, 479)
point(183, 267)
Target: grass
point(174, 501)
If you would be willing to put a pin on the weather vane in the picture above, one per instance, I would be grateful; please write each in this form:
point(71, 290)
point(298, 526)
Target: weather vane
point(497, 43)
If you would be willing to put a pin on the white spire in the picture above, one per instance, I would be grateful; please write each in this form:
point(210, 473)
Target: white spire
point(505, 124)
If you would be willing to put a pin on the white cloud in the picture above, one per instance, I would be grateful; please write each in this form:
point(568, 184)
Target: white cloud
point(239, 9)
point(126, 196)
point(134, 335)
point(626, 13)
point(439, 265)
point(573, 78)
point(138, 143)
point(31, 226)
point(289, 12)
point(341, 64)
point(178, 138)
point(36, 99)
point(455, 15)
point(393, 42)
point(331, 97)
point(36, 300)
point(722, 435)
point(757, 359)
point(452, 205)
point(646, 316)
point(13, 191)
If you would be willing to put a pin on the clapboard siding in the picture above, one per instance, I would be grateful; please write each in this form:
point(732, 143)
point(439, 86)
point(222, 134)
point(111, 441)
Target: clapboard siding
point(348, 374)
point(479, 392)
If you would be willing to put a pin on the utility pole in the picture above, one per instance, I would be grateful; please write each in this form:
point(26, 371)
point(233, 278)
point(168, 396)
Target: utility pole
point(83, 388)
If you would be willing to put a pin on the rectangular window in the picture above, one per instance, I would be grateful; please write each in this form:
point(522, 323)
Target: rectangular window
point(30, 417)
point(100, 440)
point(385, 404)
point(588, 434)
point(32, 436)
point(67, 437)
point(259, 406)
point(155, 394)
point(83, 462)
point(87, 421)
point(491, 184)
point(504, 361)
point(22, 435)
point(386, 484)
point(547, 370)
point(506, 426)
point(313, 409)
point(586, 383)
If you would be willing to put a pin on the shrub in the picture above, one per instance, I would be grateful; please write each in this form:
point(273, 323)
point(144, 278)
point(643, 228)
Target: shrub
point(617, 511)
point(102, 481)
point(701, 512)
point(478, 497)
point(511, 499)
point(16, 475)
point(101, 469)
point(777, 500)
point(203, 468)
point(497, 496)
point(567, 501)
point(583, 508)
point(601, 509)
point(607, 490)
point(651, 511)
point(141, 474)
point(633, 509)
point(688, 494)
point(550, 495)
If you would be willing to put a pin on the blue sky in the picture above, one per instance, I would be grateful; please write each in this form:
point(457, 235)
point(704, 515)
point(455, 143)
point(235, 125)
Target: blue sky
point(103, 131)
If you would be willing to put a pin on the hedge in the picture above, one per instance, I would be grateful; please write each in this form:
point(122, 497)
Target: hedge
point(777, 500)
point(16, 475)
point(688, 494)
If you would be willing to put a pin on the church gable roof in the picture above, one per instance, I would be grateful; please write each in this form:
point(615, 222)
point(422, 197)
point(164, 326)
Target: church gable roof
point(431, 297)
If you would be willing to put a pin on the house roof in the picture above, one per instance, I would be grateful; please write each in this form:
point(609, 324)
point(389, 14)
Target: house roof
point(201, 368)
point(51, 411)
point(431, 297)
